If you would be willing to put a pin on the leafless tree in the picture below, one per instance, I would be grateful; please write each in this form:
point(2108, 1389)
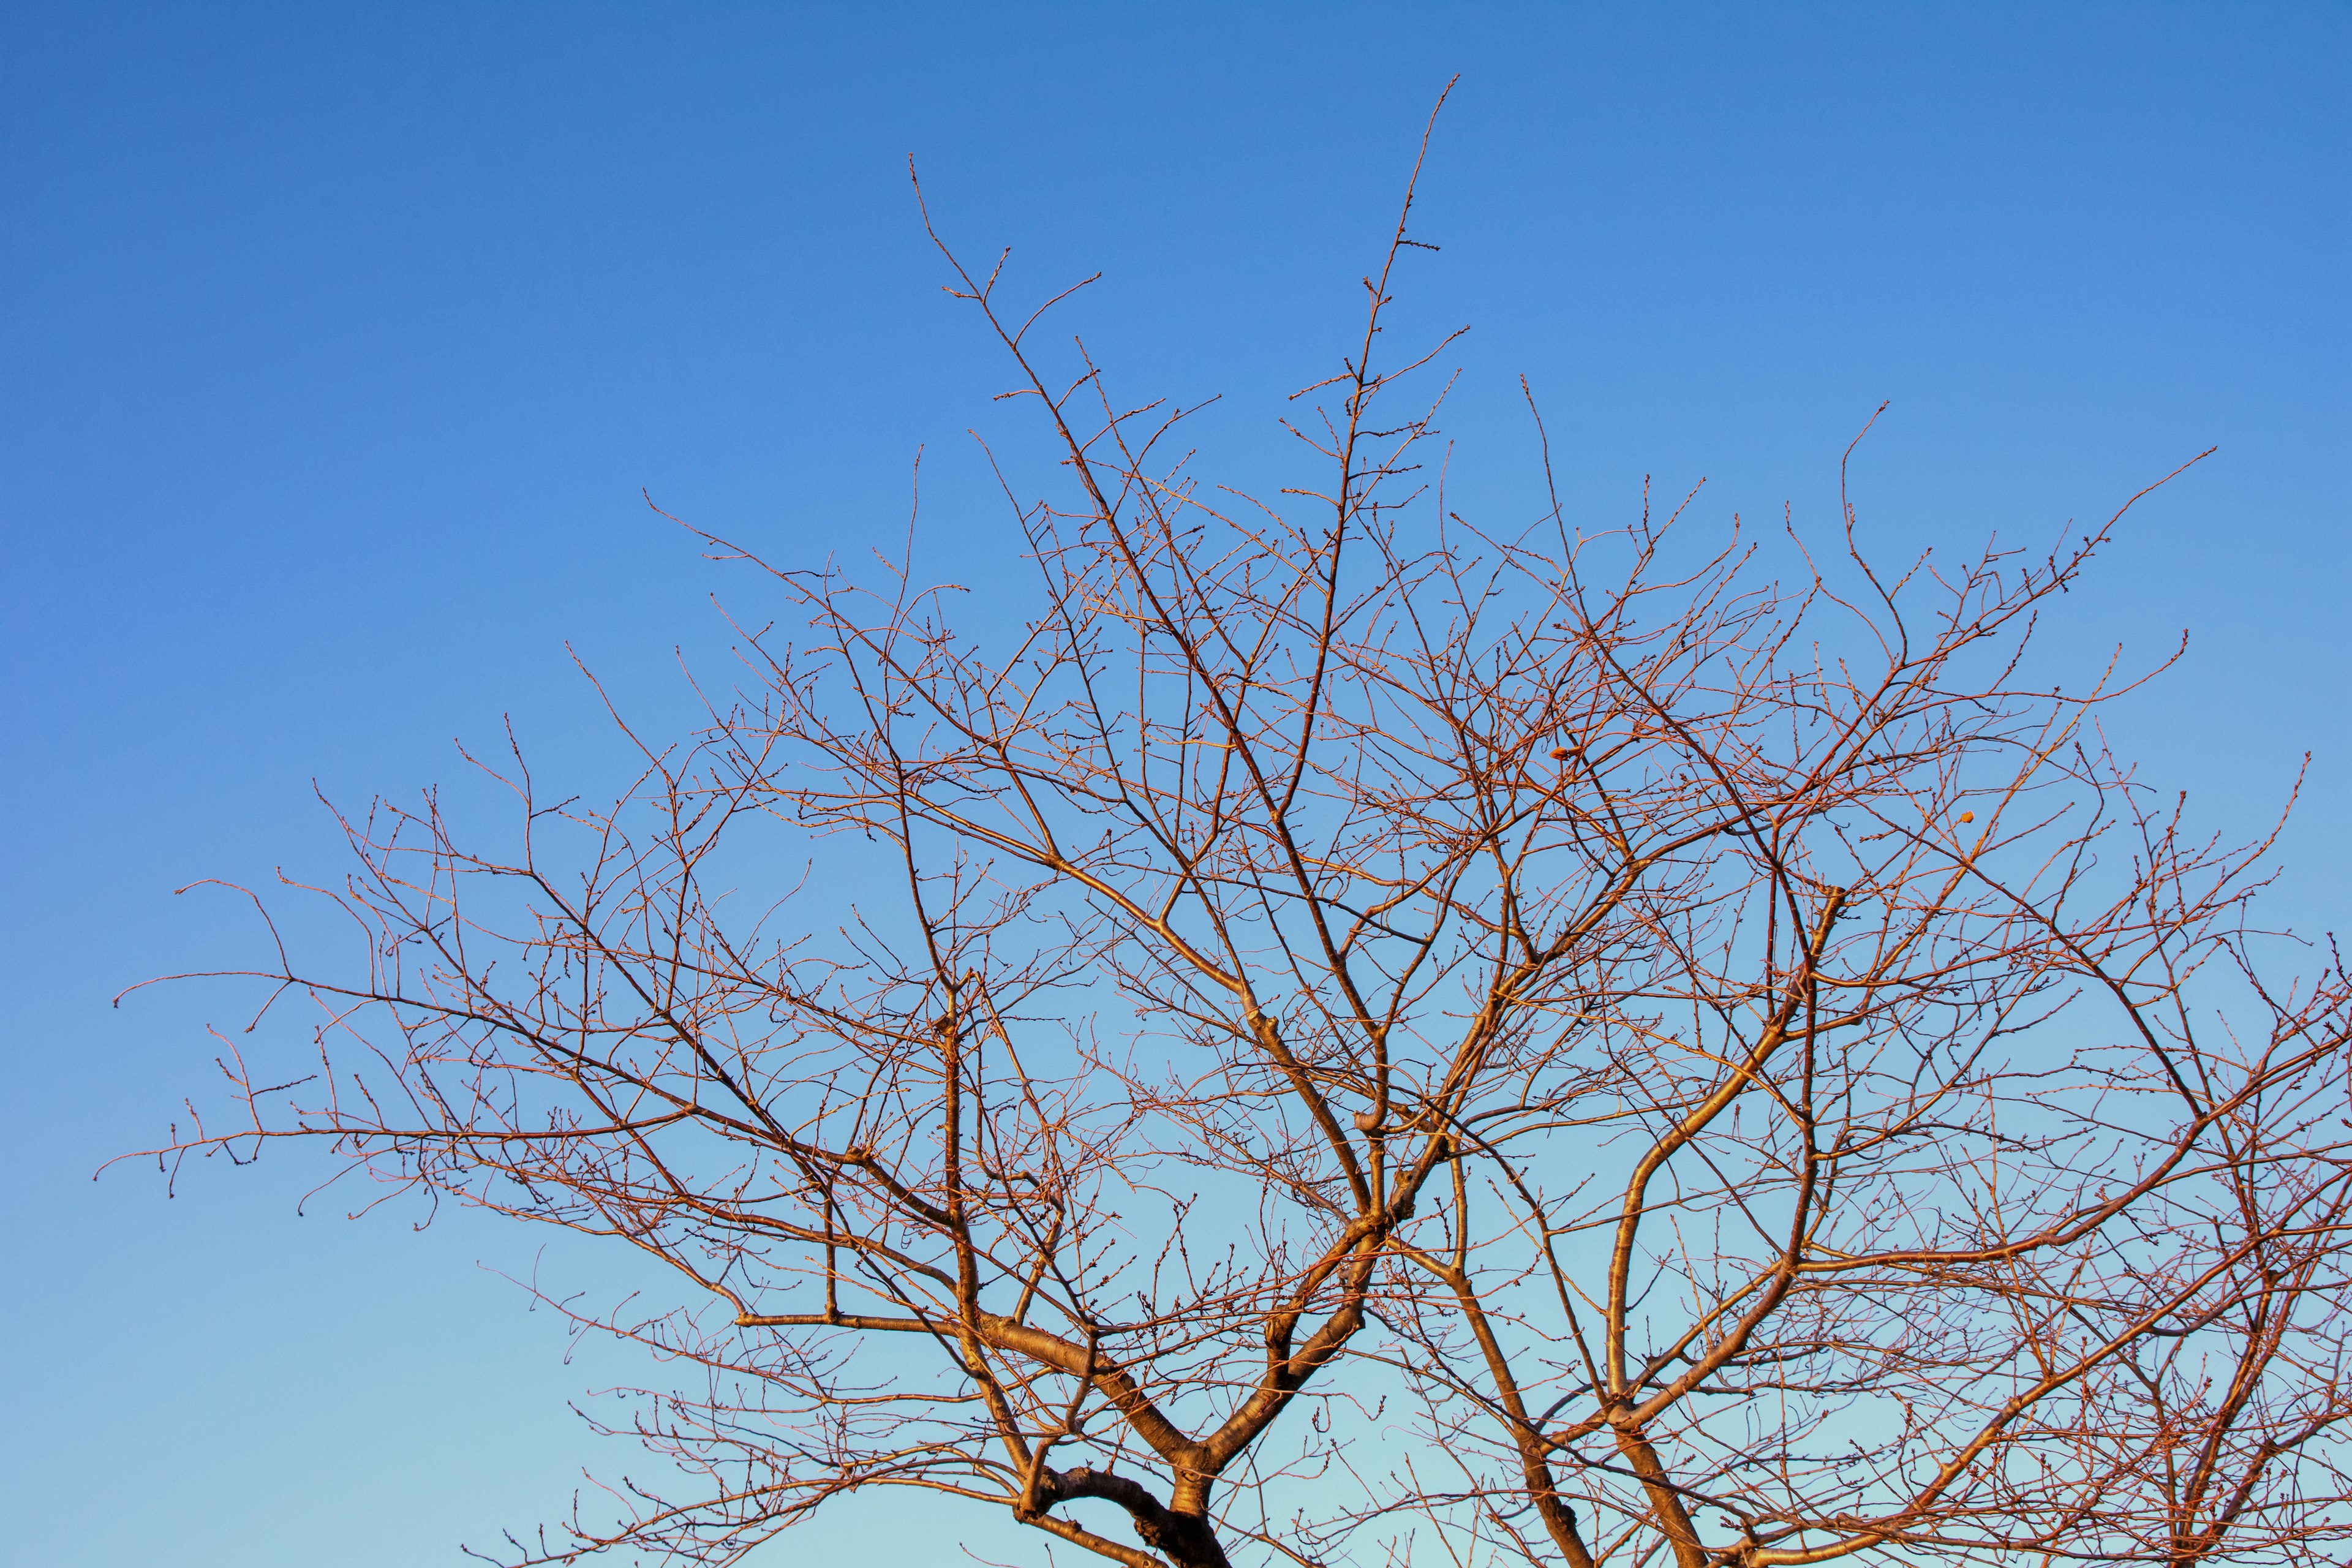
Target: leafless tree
point(1358, 1031)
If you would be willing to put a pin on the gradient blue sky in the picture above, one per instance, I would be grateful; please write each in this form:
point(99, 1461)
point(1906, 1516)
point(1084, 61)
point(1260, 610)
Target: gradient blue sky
point(339, 339)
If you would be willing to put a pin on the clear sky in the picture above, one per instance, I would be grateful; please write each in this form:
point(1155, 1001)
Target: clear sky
point(339, 341)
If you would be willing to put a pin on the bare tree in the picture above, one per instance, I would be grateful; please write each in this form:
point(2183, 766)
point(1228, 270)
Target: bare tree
point(1361, 1031)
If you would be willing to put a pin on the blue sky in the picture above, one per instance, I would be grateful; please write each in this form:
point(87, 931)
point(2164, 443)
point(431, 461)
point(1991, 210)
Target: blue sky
point(341, 339)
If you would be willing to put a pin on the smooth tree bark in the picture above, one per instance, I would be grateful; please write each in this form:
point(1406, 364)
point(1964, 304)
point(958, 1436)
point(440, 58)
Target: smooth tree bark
point(1341, 1029)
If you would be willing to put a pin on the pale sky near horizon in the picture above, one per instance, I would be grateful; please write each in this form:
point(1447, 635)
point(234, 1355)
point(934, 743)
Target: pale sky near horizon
point(340, 342)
